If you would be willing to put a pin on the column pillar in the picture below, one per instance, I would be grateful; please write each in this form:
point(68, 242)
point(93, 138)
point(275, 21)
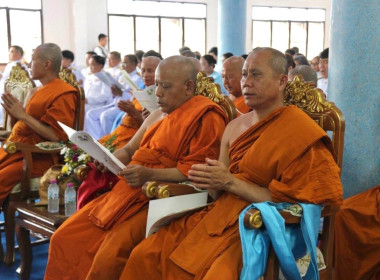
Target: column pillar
point(354, 85)
point(231, 27)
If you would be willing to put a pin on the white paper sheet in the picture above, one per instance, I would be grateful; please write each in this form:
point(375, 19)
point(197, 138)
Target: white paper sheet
point(162, 211)
point(147, 98)
point(107, 78)
point(92, 147)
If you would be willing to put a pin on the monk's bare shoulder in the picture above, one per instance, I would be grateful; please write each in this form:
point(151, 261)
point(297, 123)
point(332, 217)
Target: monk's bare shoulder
point(154, 117)
point(238, 126)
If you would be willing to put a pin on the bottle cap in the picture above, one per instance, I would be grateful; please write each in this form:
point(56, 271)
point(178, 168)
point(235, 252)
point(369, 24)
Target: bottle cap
point(70, 184)
point(53, 181)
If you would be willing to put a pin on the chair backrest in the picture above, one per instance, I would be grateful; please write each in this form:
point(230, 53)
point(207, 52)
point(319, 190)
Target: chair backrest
point(18, 84)
point(69, 77)
point(207, 87)
point(312, 101)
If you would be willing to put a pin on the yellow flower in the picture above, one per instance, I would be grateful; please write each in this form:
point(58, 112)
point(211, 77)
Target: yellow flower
point(65, 169)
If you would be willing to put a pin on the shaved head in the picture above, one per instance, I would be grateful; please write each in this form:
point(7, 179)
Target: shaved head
point(277, 60)
point(232, 73)
point(196, 63)
point(182, 66)
point(50, 52)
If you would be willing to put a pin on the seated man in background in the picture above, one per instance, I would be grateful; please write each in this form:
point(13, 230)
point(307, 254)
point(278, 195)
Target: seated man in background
point(86, 71)
point(37, 122)
point(96, 241)
point(97, 94)
point(324, 69)
point(357, 237)
point(103, 118)
point(231, 74)
point(274, 153)
point(305, 73)
point(68, 62)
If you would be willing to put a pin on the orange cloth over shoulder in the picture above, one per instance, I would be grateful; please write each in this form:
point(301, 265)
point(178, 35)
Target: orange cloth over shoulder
point(240, 105)
point(56, 101)
point(357, 237)
point(272, 154)
point(159, 149)
point(125, 131)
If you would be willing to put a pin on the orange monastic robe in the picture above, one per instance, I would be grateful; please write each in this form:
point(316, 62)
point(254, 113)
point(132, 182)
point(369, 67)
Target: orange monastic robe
point(275, 154)
point(97, 240)
point(56, 101)
point(240, 105)
point(357, 237)
point(125, 131)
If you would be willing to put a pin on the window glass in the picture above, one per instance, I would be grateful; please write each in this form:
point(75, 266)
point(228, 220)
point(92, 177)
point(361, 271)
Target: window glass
point(195, 35)
point(298, 36)
point(21, 4)
point(315, 39)
point(194, 10)
point(121, 35)
point(261, 13)
point(147, 34)
point(280, 36)
point(171, 36)
point(261, 34)
point(316, 15)
point(3, 37)
point(27, 35)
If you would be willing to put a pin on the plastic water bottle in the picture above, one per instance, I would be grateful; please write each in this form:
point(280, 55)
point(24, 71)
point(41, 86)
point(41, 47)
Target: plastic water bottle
point(53, 197)
point(70, 200)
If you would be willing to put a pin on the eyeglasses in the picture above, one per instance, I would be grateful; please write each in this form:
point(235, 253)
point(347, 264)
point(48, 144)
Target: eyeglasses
point(324, 61)
point(124, 64)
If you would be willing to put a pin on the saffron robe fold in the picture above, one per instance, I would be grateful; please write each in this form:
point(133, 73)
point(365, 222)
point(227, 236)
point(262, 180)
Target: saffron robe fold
point(240, 105)
point(97, 182)
point(185, 137)
point(55, 101)
point(357, 237)
point(288, 153)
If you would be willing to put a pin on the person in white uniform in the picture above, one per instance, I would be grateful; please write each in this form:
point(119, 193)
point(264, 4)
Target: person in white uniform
point(324, 69)
point(96, 92)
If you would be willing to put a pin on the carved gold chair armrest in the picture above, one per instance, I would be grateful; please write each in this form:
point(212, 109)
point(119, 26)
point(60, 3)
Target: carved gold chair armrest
point(27, 150)
point(157, 189)
point(81, 172)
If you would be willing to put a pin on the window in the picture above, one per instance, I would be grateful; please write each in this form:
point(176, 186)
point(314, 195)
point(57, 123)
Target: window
point(162, 26)
point(20, 24)
point(283, 28)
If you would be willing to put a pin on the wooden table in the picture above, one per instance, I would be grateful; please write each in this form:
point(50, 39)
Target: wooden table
point(36, 219)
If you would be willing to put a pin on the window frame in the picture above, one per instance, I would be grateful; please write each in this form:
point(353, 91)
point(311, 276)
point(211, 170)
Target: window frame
point(290, 24)
point(9, 35)
point(134, 16)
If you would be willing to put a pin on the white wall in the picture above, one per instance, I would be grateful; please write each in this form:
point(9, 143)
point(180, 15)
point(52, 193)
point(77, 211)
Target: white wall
point(75, 24)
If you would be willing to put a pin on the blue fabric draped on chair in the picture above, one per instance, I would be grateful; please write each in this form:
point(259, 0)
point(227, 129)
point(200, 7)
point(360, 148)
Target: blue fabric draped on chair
point(289, 243)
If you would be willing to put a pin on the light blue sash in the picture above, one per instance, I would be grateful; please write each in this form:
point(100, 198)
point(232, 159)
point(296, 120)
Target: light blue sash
point(289, 243)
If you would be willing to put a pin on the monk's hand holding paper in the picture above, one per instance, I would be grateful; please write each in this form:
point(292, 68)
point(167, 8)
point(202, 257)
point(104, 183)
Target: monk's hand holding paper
point(13, 106)
point(136, 175)
point(100, 166)
point(213, 175)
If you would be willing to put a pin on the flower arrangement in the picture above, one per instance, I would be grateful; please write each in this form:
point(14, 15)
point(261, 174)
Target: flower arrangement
point(73, 157)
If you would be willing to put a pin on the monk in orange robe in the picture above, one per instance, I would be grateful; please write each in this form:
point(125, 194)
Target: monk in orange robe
point(231, 74)
point(98, 183)
point(269, 160)
point(357, 237)
point(96, 241)
point(54, 101)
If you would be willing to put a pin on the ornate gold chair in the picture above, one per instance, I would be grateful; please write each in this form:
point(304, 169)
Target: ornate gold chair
point(28, 188)
point(18, 84)
point(311, 100)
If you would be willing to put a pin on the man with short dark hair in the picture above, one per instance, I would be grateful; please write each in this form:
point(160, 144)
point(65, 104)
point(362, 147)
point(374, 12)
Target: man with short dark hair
point(37, 122)
point(68, 62)
point(274, 153)
point(101, 49)
point(324, 69)
point(16, 54)
point(95, 243)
